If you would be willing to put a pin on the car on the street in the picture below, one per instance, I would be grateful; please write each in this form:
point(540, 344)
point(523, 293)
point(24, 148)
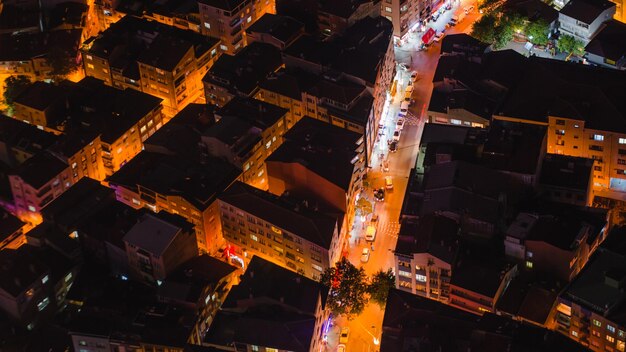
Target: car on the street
point(341, 348)
point(413, 76)
point(344, 335)
point(400, 124)
point(396, 136)
point(402, 114)
point(403, 66)
point(393, 146)
point(365, 256)
point(379, 194)
point(386, 165)
point(388, 182)
point(469, 9)
point(370, 233)
point(439, 36)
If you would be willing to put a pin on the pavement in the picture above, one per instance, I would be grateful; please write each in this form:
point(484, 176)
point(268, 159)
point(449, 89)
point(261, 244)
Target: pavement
point(365, 330)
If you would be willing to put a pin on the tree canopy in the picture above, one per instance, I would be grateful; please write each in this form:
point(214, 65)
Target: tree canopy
point(537, 32)
point(569, 44)
point(13, 86)
point(61, 62)
point(348, 288)
point(381, 283)
point(484, 28)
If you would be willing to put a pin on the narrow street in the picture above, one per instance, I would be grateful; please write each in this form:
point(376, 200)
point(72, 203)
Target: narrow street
point(365, 330)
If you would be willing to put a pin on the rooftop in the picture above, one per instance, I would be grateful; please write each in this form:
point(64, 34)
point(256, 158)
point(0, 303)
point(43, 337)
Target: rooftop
point(299, 220)
point(586, 10)
point(344, 8)
point(27, 46)
point(19, 269)
point(242, 72)
point(324, 149)
point(258, 113)
point(610, 42)
point(155, 233)
point(283, 28)
point(289, 83)
point(567, 172)
point(9, 224)
point(23, 136)
point(197, 180)
point(434, 234)
point(40, 95)
point(40, 169)
point(227, 5)
point(479, 270)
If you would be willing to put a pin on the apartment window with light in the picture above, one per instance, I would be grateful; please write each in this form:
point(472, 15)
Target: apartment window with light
point(598, 137)
point(387, 8)
point(574, 333)
point(529, 264)
point(610, 338)
point(610, 328)
point(597, 323)
point(560, 132)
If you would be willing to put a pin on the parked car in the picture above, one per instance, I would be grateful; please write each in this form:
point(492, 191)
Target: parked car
point(400, 124)
point(341, 348)
point(388, 182)
point(396, 136)
point(439, 36)
point(385, 165)
point(393, 146)
point(469, 9)
point(379, 194)
point(343, 336)
point(413, 76)
point(365, 256)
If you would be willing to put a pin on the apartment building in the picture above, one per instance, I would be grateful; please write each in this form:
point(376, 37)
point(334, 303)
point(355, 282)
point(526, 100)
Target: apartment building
point(11, 231)
point(239, 75)
point(247, 131)
point(567, 179)
point(321, 163)
point(425, 254)
point(279, 31)
point(595, 318)
point(184, 183)
point(290, 308)
point(20, 141)
point(285, 231)
point(151, 57)
point(406, 15)
point(157, 245)
point(334, 17)
point(228, 20)
point(582, 19)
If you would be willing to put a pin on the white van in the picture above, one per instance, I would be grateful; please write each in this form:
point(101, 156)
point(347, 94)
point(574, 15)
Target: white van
point(404, 107)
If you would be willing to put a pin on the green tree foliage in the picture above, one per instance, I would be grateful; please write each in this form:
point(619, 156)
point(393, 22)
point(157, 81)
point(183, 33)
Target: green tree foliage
point(61, 62)
point(537, 32)
point(13, 86)
point(364, 206)
point(382, 282)
point(569, 44)
point(484, 28)
point(503, 34)
point(348, 288)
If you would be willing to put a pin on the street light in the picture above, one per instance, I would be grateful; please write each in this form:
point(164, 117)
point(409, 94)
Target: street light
point(376, 341)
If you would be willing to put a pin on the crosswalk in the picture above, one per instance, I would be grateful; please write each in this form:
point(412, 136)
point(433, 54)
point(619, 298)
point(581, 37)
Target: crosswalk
point(411, 119)
point(390, 228)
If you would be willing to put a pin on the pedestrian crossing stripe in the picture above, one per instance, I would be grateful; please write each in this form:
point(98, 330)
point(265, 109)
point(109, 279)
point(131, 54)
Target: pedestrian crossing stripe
point(390, 228)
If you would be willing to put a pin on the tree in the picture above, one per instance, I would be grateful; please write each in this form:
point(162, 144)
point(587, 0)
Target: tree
point(348, 288)
point(537, 32)
point(570, 45)
point(382, 282)
point(61, 62)
point(364, 206)
point(13, 86)
point(503, 34)
point(516, 21)
point(488, 4)
point(484, 28)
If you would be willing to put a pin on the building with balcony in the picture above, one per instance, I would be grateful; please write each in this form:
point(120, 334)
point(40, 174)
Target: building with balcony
point(567, 179)
point(183, 183)
point(406, 15)
point(279, 31)
point(151, 57)
point(157, 245)
point(228, 20)
point(247, 131)
point(271, 309)
point(582, 19)
point(608, 47)
point(286, 231)
point(321, 163)
point(334, 17)
point(425, 254)
point(239, 75)
point(591, 308)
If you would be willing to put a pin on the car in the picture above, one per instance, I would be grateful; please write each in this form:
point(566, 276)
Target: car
point(341, 348)
point(370, 233)
point(400, 124)
point(344, 334)
point(379, 194)
point(469, 9)
point(393, 146)
point(439, 36)
point(413, 76)
point(386, 166)
point(396, 136)
point(403, 66)
point(401, 115)
point(365, 256)
point(388, 182)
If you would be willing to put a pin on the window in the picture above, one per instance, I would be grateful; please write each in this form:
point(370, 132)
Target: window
point(43, 304)
point(421, 278)
point(45, 279)
point(254, 238)
point(455, 122)
point(254, 347)
point(598, 137)
point(529, 254)
point(223, 47)
point(596, 148)
point(68, 277)
point(622, 141)
point(207, 25)
point(574, 333)
point(621, 161)
point(610, 328)
point(90, 66)
point(560, 132)
point(404, 273)
point(387, 8)
point(597, 323)
point(529, 264)
point(620, 171)
point(317, 267)
point(610, 338)
point(560, 122)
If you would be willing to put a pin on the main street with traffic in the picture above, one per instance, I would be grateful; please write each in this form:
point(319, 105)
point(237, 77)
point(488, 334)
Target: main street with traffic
point(365, 330)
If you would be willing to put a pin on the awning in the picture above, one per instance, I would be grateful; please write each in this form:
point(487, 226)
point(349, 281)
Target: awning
point(428, 36)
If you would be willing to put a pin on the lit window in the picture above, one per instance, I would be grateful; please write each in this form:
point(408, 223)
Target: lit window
point(223, 47)
point(89, 57)
point(576, 126)
point(254, 238)
point(610, 338)
point(597, 323)
point(207, 25)
point(43, 304)
point(119, 150)
point(622, 141)
point(455, 122)
point(529, 254)
point(143, 129)
point(610, 328)
point(74, 165)
point(574, 333)
point(316, 267)
point(387, 8)
point(68, 277)
point(32, 208)
point(90, 66)
point(268, 145)
point(598, 137)
point(421, 278)
point(254, 347)
point(135, 201)
point(45, 279)
point(249, 19)
point(529, 264)
point(560, 132)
